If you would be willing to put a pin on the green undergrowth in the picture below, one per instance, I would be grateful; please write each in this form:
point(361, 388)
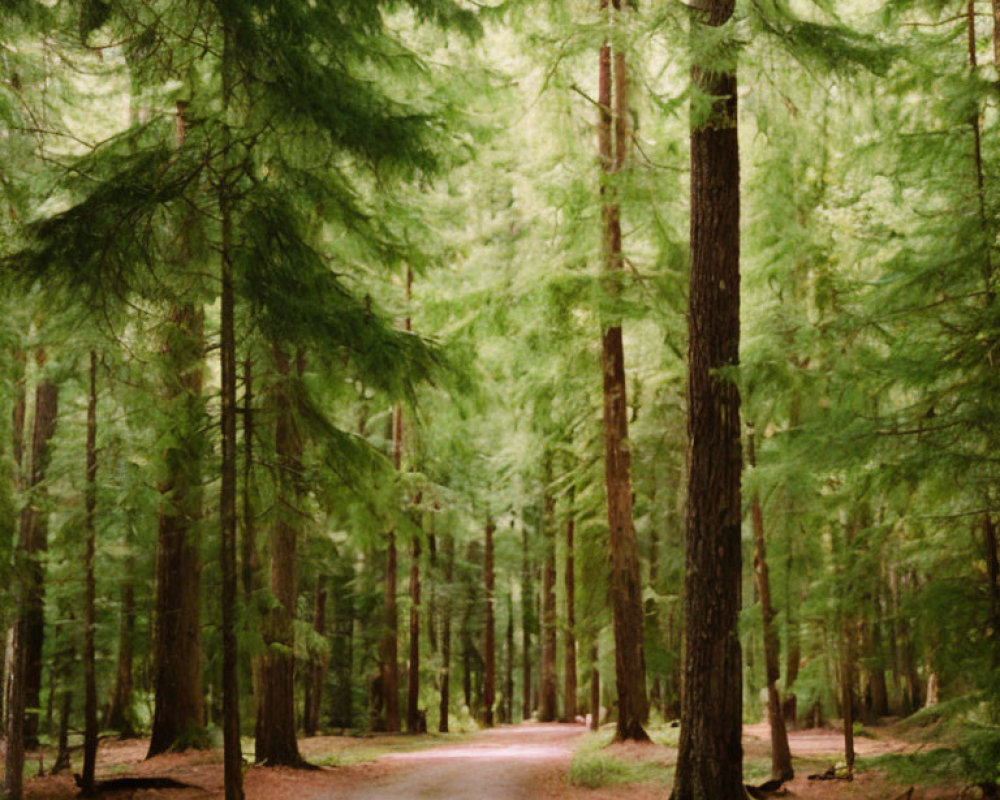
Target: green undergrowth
point(975, 758)
point(595, 764)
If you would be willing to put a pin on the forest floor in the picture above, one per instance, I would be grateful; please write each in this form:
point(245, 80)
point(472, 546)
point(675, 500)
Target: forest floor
point(548, 762)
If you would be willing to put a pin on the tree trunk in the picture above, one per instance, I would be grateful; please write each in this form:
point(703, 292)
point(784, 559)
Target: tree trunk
point(793, 644)
point(595, 688)
point(710, 756)
point(90, 680)
point(342, 646)
point(569, 641)
point(446, 610)
point(14, 760)
point(992, 575)
point(489, 630)
point(847, 697)
point(527, 598)
point(547, 706)
point(232, 756)
point(33, 541)
point(508, 686)
point(179, 716)
point(275, 742)
point(318, 667)
point(120, 715)
point(626, 594)
point(413, 722)
point(781, 756)
point(388, 649)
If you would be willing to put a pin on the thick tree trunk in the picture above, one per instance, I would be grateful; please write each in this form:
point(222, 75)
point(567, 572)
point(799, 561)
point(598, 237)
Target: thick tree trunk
point(527, 599)
point(413, 720)
point(232, 756)
point(781, 756)
point(569, 641)
point(179, 714)
point(448, 548)
point(710, 756)
point(33, 542)
point(549, 691)
point(318, 666)
point(626, 594)
point(90, 622)
point(489, 628)
point(275, 742)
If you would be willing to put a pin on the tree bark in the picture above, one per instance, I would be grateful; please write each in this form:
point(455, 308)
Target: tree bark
point(179, 716)
point(549, 691)
point(232, 756)
point(318, 667)
point(448, 547)
point(781, 756)
point(413, 722)
point(527, 599)
point(992, 574)
point(508, 686)
point(595, 688)
point(626, 594)
point(569, 641)
point(120, 715)
point(709, 765)
point(489, 628)
point(342, 646)
point(90, 622)
point(275, 742)
point(33, 542)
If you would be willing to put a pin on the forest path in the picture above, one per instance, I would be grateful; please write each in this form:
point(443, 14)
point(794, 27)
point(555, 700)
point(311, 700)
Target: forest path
point(499, 764)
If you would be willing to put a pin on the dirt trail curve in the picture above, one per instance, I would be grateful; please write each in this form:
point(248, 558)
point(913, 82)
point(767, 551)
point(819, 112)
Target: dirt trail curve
point(500, 764)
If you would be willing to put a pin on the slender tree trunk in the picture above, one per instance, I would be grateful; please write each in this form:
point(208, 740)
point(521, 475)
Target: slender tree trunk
point(34, 535)
point(318, 667)
point(626, 594)
point(232, 756)
point(781, 756)
point(508, 686)
point(569, 642)
point(527, 598)
point(847, 696)
point(446, 611)
point(90, 622)
point(547, 708)
point(275, 742)
point(793, 655)
point(342, 646)
point(14, 760)
point(413, 722)
point(710, 756)
point(179, 717)
point(595, 688)
point(489, 628)
point(992, 574)
point(63, 755)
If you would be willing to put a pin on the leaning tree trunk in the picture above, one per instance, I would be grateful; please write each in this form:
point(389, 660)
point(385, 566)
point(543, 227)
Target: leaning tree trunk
point(547, 704)
point(709, 762)
point(90, 681)
point(781, 755)
point(489, 629)
point(626, 593)
point(569, 641)
point(275, 742)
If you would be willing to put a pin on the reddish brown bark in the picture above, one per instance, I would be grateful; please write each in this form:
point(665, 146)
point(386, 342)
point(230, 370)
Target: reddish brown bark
point(626, 593)
point(318, 663)
point(547, 701)
point(275, 741)
point(569, 640)
point(710, 756)
point(33, 536)
point(489, 629)
point(90, 680)
point(448, 554)
point(527, 599)
point(992, 573)
point(415, 723)
point(595, 689)
point(179, 714)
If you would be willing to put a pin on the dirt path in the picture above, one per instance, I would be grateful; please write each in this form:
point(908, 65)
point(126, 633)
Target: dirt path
point(817, 742)
point(501, 764)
